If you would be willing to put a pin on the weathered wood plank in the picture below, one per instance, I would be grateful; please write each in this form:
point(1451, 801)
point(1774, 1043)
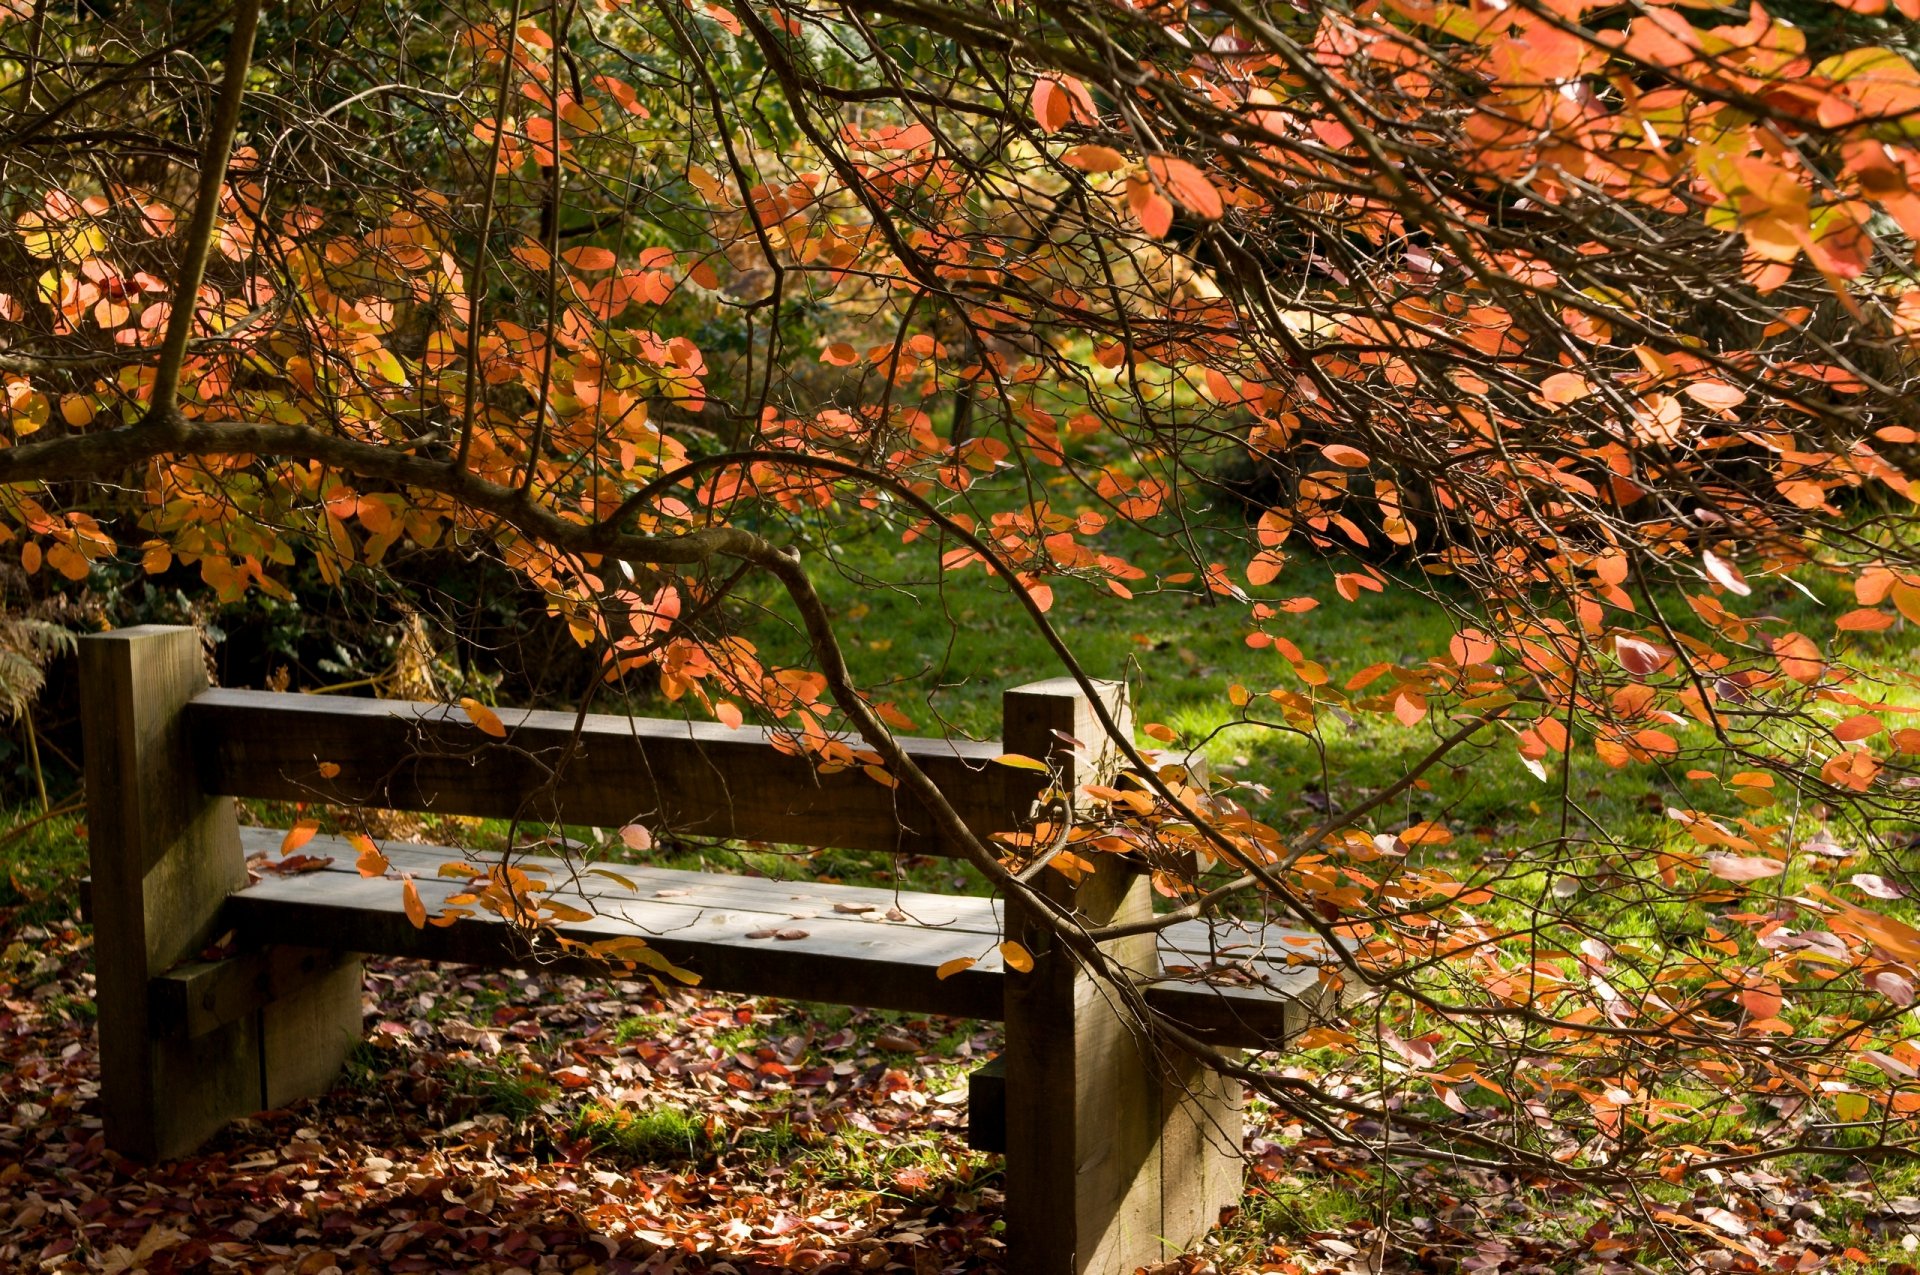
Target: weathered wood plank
point(677, 904)
point(687, 778)
point(887, 965)
point(1083, 1097)
point(199, 997)
point(164, 857)
point(582, 881)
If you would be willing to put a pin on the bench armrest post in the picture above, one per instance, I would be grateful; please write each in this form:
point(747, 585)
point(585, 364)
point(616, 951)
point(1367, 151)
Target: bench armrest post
point(1118, 1155)
point(164, 856)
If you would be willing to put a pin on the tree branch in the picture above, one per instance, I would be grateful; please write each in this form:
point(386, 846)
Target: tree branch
point(206, 207)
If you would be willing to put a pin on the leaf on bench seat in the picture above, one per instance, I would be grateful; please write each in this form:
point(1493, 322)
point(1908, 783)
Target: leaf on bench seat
point(371, 862)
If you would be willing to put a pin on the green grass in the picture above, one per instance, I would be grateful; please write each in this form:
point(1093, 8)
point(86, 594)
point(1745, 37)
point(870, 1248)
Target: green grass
point(41, 863)
point(502, 1088)
point(650, 1134)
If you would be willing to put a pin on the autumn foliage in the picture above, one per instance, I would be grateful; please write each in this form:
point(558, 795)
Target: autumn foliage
point(1595, 326)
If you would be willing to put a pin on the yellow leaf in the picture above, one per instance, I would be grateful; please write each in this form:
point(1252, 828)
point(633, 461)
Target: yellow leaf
point(1019, 762)
point(1016, 957)
point(954, 966)
point(485, 718)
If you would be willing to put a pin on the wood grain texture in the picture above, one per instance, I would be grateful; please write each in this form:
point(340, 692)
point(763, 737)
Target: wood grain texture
point(1082, 1096)
point(676, 777)
point(846, 959)
point(680, 912)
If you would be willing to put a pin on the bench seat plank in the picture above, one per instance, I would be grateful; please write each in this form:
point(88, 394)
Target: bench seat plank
point(854, 953)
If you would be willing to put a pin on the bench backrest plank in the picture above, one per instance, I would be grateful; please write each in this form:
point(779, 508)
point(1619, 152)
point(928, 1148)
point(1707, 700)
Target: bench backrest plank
point(692, 778)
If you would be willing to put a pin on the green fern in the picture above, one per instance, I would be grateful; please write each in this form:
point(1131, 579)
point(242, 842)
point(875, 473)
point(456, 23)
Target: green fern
point(26, 648)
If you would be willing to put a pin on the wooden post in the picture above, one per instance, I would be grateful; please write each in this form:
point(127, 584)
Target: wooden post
point(1117, 1156)
point(164, 858)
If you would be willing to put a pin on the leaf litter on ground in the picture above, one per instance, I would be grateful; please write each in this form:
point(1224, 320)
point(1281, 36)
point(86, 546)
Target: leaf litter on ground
point(526, 1122)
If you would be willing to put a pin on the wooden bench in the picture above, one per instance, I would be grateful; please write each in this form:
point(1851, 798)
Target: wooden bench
point(1116, 1154)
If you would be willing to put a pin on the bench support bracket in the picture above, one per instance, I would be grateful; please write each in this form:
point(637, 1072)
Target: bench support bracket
point(164, 858)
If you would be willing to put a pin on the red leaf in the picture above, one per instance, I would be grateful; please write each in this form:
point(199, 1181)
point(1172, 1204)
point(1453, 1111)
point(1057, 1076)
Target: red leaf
point(1641, 659)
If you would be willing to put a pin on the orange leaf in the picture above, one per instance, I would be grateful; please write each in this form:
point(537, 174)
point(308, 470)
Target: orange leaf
point(1470, 646)
point(1058, 101)
point(1016, 957)
point(371, 862)
point(1716, 394)
point(1799, 658)
point(1188, 185)
point(729, 714)
point(1095, 159)
point(1155, 730)
point(485, 718)
point(328, 769)
point(1153, 210)
point(298, 836)
point(1864, 620)
point(635, 837)
point(950, 968)
point(1906, 600)
point(1565, 387)
point(1860, 727)
point(590, 258)
point(1020, 762)
point(1730, 867)
point(410, 899)
point(1343, 455)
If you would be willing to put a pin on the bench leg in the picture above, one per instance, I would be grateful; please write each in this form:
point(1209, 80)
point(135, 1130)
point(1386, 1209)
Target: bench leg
point(164, 857)
point(306, 1035)
point(1117, 1155)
